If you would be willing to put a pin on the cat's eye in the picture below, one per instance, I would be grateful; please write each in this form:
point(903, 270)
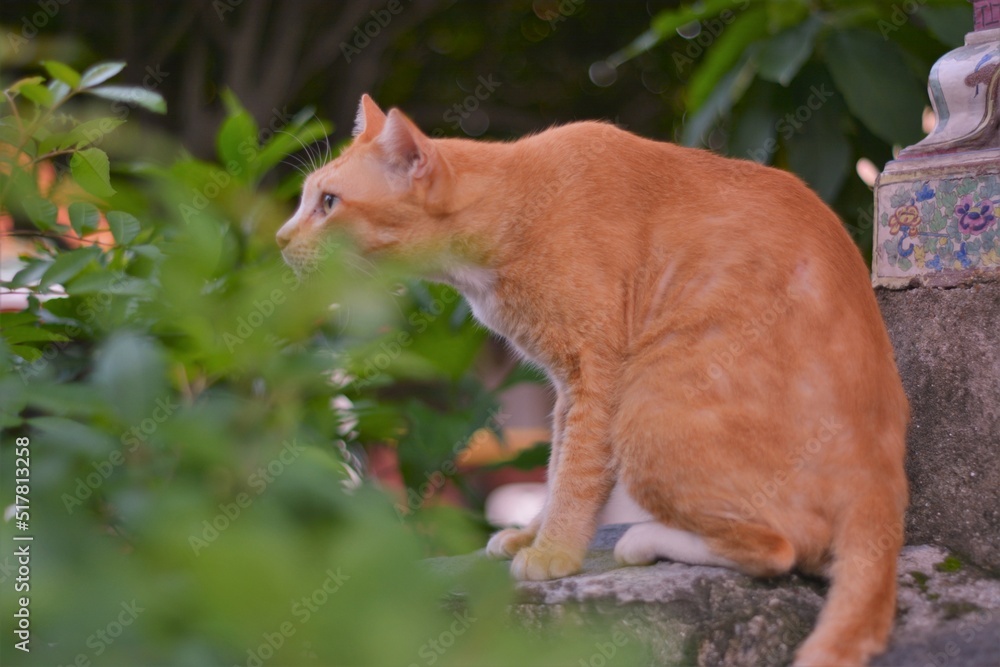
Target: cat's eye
point(329, 201)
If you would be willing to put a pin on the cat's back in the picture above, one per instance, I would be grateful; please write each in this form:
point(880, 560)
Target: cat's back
point(610, 167)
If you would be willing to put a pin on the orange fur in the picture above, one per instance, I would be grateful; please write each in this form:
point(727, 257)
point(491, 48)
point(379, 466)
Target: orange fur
point(709, 328)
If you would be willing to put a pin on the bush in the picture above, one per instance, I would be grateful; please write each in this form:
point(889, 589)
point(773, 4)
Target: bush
point(183, 414)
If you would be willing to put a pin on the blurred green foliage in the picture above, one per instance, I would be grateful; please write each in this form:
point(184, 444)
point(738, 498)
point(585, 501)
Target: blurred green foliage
point(810, 86)
point(193, 408)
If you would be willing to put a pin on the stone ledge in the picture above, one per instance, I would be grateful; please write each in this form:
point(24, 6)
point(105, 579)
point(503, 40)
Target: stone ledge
point(947, 344)
point(692, 615)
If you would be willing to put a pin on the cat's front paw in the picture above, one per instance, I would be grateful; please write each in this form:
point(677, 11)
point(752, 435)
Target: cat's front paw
point(506, 543)
point(538, 564)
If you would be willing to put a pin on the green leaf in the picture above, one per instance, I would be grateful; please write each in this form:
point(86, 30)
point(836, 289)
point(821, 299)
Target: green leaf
point(91, 170)
point(237, 141)
point(60, 90)
point(26, 352)
point(130, 372)
point(729, 91)
point(887, 98)
point(41, 211)
point(784, 54)
point(133, 95)
point(63, 72)
point(32, 334)
point(148, 251)
point(29, 80)
point(100, 73)
point(124, 226)
point(119, 284)
point(67, 265)
point(947, 200)
point(10, 320)
point(820, 133)
point(536, 456)
point(664, 26)
point(755, 124)
point(76, 399)
point(524, 372)
point(948, 24)
point(37, 93)
point(434, 437)
point(726, 51)
point(67, 434)
point(31, 273)
point(10, 135)
point(84, 217)
point(84, 134)
point(900, 198)
point(966, 187)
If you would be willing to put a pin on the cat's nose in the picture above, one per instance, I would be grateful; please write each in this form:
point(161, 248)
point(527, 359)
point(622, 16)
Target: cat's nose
point(283, 238)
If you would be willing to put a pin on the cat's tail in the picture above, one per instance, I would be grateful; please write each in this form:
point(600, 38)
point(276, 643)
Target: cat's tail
point(856, 621)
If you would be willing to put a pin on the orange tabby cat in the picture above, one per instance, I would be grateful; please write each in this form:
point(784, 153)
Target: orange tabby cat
point(708, 325)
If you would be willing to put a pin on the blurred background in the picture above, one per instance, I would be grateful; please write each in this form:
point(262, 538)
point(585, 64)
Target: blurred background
point(235, 450)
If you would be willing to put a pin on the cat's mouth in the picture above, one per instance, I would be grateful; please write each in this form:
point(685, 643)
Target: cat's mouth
point(301, 264)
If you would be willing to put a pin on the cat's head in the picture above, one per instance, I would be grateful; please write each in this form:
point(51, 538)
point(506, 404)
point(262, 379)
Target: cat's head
point(389, 191)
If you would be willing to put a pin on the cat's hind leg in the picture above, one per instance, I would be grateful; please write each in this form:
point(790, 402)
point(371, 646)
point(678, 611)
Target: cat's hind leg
point(750, 548)
point(647, 542)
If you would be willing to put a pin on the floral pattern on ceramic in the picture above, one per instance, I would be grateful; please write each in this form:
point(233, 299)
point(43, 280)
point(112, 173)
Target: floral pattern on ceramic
point(934, 226)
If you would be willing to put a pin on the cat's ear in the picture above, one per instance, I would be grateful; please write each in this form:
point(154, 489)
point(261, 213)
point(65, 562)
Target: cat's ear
point(406, 147)
point(369, 120)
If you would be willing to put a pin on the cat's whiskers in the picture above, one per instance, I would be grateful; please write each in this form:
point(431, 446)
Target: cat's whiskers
point(311, 162)
point(328, 155)
point(299, 164)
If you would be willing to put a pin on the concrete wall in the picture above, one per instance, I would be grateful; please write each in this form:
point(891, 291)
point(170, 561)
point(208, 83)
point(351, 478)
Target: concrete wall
point(947, 345)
